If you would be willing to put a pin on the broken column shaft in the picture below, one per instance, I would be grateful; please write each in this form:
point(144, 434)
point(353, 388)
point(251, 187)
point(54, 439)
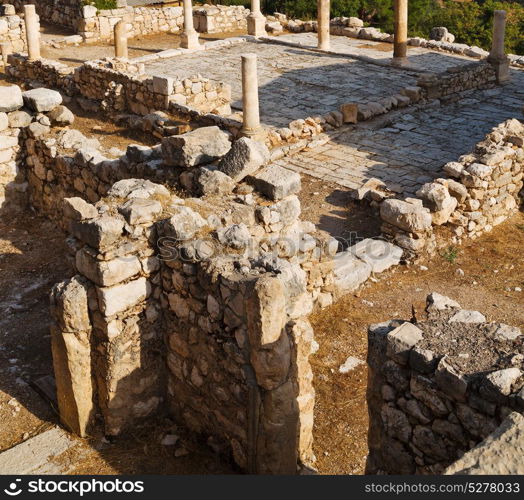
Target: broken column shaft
point(32, 29)
point(323, 19)
point(400, 49)
point(251, 113)
point(189, 38)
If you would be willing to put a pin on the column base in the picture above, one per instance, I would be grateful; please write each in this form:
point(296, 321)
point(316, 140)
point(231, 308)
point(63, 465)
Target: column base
point(189, 40)
point(256, 25)
point(399, 61)
point(324, 46)
point(258, 134)
point(501, 69)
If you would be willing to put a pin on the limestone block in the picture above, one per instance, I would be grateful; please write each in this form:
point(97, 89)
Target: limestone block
point(61, 116)
point(107, 273)
point(10, 98)
point(99, 233)
point(119, 298)
point(78, 209)
point(244, 158)
point(198, 147)
point(140, 211)
point(19, 119)
point(381, 255)
point(499, 454)
point(276, 182)
point(184, 223)
point(42, 99)
point(209, 181)
point(437, 302)
point(407, 216)
point(350, 271)
point(465, 316)
point(234, 236)
point(137, 188)
point(70, 342)
point(401, 340)
point(349, 112)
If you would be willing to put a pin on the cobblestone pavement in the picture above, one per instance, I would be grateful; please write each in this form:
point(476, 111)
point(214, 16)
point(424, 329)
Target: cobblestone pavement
point(413, 148)
point(418, 57)
point(293, 83)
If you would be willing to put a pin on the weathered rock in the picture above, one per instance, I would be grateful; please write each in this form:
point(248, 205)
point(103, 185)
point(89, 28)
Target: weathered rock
point(507, 332)
point(396, 424)
point(379, 254)
point(266, 311)
point(184, 223)
point(137, 188)
point(41, 99)
point(71, 347)
point(276, 182)
point(10, 98)
point(499, 454)
point(74, 139)
point(244, 158)
point(37, 130)
point(140, 211)
point(78, 209)
point(99, 233)
point(116, 299)
point(401, 340)
point(465, 316)
point(234, 236)
point(450, 380)
point(407, 216)
point(437, 302)
point(61, 116)
point(497, 385)
point(107, 272)
point(208, 181)
point(19, 119)
point(349, 112)
point(350, 271)
point(201, 146)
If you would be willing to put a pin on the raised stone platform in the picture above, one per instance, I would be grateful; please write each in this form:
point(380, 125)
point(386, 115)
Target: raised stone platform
point(294, 83)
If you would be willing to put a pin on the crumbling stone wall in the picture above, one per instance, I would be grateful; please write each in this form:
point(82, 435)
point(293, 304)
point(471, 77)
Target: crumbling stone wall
point(220, 18)
point(122, 86)
point(63, 12)
point(482, 191)
point(98, 25)
point(439, 386)
point(12, 30)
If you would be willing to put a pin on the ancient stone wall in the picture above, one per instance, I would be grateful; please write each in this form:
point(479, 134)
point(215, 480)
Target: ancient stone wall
point(220, 18)
point(482, 191)
point(122, 86)
point(12, 31)
point(195, 304)
point(439, 386)
point(98, 25)
point(63, 12)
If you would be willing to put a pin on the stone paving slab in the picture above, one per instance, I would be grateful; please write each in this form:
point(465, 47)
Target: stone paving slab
point(36, 455)
point(293, 82)
point(418, 57)
point(414, 147)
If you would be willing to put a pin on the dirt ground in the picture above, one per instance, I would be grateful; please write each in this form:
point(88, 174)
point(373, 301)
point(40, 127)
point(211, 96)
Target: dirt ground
point(33, 258)
point(482, 276)
point(74, 55)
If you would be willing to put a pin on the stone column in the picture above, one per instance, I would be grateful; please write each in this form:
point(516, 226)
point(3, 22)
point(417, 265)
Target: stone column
point(6, 50)
point(323, 18)
point(32, 29)
point(251, 124)
point(497, 56)
point(121, 39)
point(400, 49)
point(189, 35)
point(256, 22)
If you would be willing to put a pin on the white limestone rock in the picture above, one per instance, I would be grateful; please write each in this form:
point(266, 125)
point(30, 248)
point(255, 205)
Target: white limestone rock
point(244, 158)
point(10, 98)
point(41, 99)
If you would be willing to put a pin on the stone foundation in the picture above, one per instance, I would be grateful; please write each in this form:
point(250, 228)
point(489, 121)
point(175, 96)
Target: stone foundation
point(439, 386)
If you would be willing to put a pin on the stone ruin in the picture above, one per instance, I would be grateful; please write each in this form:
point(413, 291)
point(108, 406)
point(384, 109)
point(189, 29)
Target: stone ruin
point(195, 274)
point(439, 386)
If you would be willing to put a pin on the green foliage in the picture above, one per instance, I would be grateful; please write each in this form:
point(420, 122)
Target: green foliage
point(471, 22)
point(450, 254)
point(101, 4)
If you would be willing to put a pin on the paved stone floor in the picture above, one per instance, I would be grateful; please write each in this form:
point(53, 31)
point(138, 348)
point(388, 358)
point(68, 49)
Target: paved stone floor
point(418, 57)
point(414, 147)
point(293, 83)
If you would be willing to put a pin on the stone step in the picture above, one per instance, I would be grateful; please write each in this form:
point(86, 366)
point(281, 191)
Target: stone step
point(39, 454)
